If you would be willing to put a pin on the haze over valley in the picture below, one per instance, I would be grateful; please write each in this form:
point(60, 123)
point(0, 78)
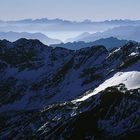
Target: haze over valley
point(64, 29)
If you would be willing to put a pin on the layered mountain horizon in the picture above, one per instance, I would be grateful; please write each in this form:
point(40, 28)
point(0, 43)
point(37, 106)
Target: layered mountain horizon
point(29, 20)
point(109, 43)
point(64, 30)
point(13, 36)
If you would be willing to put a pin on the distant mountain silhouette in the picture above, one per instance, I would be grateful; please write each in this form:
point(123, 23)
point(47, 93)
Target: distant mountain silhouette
point(46, 24)
point(12, 36)
point(111, 42)
point(46, 20)
point(122, 32)
point(107, 42)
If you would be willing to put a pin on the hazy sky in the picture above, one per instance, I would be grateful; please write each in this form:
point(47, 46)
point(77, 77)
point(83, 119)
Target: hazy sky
point(70, 9)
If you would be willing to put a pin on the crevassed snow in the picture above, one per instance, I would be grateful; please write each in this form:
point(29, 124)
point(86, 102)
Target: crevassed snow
point(130, 79)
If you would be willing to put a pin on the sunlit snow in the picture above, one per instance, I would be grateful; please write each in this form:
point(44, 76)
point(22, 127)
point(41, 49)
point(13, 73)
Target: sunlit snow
point(130, 79)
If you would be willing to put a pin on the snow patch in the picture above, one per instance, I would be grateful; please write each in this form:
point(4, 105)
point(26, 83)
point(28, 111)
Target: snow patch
point(133, 54)
point(130, 79)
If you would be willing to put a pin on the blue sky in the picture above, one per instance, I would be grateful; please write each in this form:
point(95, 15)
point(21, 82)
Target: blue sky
point(70, 9)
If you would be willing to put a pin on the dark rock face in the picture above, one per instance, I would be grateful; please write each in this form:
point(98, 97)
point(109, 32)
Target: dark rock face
point(111, 114)
point(38, 83)
point(115, 116)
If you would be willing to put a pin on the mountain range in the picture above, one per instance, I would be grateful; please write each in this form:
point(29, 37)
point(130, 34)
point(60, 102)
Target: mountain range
point(59, 25)
point(121, 32)
point(13, 36)
point(65, 30)
point(61, 94)
point(87, 21)
point(109, 43)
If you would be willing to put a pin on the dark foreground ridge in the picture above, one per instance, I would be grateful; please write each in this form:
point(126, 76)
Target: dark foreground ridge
point(38, 84)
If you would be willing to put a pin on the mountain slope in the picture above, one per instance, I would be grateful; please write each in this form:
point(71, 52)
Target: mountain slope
point(49, 93)
point(42, 75)
point(114, 115)
point(129, 79)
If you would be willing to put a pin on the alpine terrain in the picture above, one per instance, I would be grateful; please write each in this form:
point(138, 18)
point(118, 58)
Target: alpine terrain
point(54, 93)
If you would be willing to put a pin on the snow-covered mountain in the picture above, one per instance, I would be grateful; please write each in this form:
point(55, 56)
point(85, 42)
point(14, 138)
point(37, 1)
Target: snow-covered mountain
point(129, 79)
point(57, 93)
